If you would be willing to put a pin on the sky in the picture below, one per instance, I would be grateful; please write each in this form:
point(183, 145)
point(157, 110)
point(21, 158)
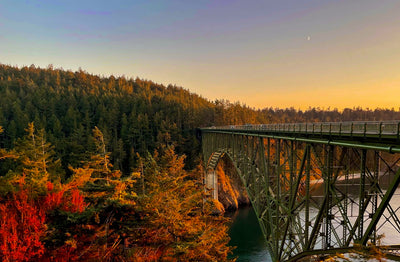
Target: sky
point(263, 53)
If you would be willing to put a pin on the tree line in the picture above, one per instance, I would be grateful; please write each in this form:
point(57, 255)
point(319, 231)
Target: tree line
point(135, 115)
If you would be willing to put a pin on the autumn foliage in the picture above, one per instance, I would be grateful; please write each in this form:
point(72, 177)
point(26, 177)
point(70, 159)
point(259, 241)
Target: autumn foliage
point(179, 224)
point(97, 214)
point(22, 227)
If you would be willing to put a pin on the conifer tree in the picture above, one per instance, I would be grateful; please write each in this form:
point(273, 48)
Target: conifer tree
point(5, 185)
point(36, 156)
point(179, 224)
point(5, 154)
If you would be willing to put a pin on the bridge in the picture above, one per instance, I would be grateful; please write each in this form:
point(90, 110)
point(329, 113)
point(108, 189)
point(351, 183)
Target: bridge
point(316, 188)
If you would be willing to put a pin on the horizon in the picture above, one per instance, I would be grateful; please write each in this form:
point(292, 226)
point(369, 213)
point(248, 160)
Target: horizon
point(264, 54)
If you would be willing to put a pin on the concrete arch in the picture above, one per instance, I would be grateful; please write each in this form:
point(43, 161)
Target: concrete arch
point(211, 177)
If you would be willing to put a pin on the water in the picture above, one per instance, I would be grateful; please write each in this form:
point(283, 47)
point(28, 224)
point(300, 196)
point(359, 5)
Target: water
point(246, 235)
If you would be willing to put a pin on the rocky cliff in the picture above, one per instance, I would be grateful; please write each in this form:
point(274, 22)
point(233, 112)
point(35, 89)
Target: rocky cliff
point(231, 192)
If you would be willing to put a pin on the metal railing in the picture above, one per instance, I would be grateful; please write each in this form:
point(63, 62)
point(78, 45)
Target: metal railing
point(358, 128)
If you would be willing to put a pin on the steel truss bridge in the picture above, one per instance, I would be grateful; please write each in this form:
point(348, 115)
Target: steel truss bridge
point(317, 188)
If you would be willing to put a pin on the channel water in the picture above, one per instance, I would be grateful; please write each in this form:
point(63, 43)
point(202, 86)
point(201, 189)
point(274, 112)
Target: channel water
point(246, 235)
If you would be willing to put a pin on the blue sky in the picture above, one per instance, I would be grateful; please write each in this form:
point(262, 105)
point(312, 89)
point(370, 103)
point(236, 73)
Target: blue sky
point(282, 53)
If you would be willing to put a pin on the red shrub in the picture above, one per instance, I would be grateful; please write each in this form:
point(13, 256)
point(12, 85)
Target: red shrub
point(21, 227)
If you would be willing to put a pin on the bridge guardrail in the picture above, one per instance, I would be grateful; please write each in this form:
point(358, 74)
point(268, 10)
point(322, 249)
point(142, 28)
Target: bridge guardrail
point(358, 128)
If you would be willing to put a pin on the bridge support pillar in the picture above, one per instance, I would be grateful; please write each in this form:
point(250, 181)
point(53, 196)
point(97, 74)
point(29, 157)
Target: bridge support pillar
point(211, 183)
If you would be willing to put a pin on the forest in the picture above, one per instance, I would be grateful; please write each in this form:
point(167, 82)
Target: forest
point(109, 168)
point(135, 115)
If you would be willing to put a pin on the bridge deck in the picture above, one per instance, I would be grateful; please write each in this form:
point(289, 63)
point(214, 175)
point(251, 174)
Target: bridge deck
point(367, 128)
point(383, 135)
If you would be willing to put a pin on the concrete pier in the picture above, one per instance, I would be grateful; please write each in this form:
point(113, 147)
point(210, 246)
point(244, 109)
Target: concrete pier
point(211, 183)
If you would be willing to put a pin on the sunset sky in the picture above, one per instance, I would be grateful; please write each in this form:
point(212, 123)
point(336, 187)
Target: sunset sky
point(264, 53)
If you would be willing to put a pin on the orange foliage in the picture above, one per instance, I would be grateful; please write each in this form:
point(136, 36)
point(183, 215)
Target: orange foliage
point(71, 201)
point(76, 203)
point(147, 254)
point(179, 225)
point(23, 223)
point(53, 200)
point(43, 221)
point(229, 194)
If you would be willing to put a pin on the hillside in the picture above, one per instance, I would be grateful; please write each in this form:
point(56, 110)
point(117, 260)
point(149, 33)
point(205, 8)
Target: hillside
point(135, 115)
point(87, 209)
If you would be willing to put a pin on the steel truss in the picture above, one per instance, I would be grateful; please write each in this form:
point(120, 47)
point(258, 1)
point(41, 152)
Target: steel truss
point(313, 196)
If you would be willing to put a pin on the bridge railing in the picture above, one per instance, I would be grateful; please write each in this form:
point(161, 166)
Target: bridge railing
point(359, 128)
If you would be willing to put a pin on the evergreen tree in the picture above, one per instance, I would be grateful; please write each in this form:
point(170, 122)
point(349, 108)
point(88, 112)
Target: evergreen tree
point(180, 225)
point(36, 156)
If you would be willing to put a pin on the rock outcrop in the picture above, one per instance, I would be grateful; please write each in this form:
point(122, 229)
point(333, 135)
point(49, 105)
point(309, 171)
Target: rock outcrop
point(231, 192)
